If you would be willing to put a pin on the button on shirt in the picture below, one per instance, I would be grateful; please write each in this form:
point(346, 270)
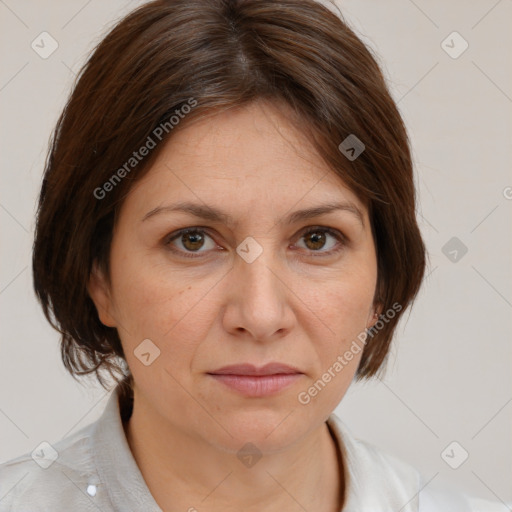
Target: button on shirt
point(94, 470)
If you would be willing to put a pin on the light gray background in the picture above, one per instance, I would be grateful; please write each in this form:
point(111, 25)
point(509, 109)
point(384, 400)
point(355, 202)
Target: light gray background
point(449, 375)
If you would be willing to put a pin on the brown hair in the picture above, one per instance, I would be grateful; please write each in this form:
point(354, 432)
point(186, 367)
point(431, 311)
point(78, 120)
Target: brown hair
point(221, 54)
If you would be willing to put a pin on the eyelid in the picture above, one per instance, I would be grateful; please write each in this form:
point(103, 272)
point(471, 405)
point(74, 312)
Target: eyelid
point(175, 234)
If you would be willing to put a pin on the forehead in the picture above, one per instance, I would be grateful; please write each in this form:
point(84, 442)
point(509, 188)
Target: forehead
point(251, 157)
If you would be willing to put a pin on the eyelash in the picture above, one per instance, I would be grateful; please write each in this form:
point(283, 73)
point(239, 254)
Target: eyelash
point(315, 229)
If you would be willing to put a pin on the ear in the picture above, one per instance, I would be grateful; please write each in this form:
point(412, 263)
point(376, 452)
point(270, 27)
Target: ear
point(99, 291)
point(374, 315)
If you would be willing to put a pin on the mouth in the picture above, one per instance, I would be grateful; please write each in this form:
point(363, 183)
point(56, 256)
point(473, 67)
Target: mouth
point(252, 381)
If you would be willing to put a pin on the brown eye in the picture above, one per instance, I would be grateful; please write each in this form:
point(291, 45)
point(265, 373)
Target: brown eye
point(315, 240)
point(318, 238)
point(189, 241)
point(192, 241)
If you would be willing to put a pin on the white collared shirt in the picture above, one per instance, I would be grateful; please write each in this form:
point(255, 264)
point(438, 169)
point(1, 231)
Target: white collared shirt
point(94, 469)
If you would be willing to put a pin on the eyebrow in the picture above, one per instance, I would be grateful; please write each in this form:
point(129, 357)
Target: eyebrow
point(212, 214)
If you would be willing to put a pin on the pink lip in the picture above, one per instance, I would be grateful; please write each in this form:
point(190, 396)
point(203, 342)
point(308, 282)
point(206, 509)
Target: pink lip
point(257, 382)
point(250, 369)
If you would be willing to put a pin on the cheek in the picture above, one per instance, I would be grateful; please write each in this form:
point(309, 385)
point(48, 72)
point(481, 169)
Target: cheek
point(152, 301)
point(342, 311)
point(345, 303)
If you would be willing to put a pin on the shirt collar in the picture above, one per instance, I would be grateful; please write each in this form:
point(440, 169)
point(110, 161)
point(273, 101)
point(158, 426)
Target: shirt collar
point(374, 480)
point(115, 463)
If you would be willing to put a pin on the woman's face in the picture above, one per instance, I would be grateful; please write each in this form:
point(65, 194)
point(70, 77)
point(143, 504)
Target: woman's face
point(249, 286)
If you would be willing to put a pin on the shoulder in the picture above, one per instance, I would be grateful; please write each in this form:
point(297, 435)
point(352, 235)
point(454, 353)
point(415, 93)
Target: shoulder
point(439, 498)
point(374, 479)
point(378, 480)
point(53, 477)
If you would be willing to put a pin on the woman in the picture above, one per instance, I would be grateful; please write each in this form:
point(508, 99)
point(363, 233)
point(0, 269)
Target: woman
point(226, 227)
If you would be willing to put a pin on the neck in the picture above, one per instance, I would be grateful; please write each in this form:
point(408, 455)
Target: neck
point(185, 472)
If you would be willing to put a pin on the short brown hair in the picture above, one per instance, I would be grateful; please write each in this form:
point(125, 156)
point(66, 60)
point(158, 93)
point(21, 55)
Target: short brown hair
point(223, 54)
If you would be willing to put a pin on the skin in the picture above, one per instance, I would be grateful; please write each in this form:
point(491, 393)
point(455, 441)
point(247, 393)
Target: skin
point(294, 304)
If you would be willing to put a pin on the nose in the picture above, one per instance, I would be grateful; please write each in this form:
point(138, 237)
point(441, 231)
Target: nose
point(259, 301)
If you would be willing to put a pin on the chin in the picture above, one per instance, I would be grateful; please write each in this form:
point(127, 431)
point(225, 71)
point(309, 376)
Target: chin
point(270, 430)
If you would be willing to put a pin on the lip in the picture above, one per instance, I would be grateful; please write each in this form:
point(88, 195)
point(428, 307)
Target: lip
point(249, 369)
point(252, 381)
